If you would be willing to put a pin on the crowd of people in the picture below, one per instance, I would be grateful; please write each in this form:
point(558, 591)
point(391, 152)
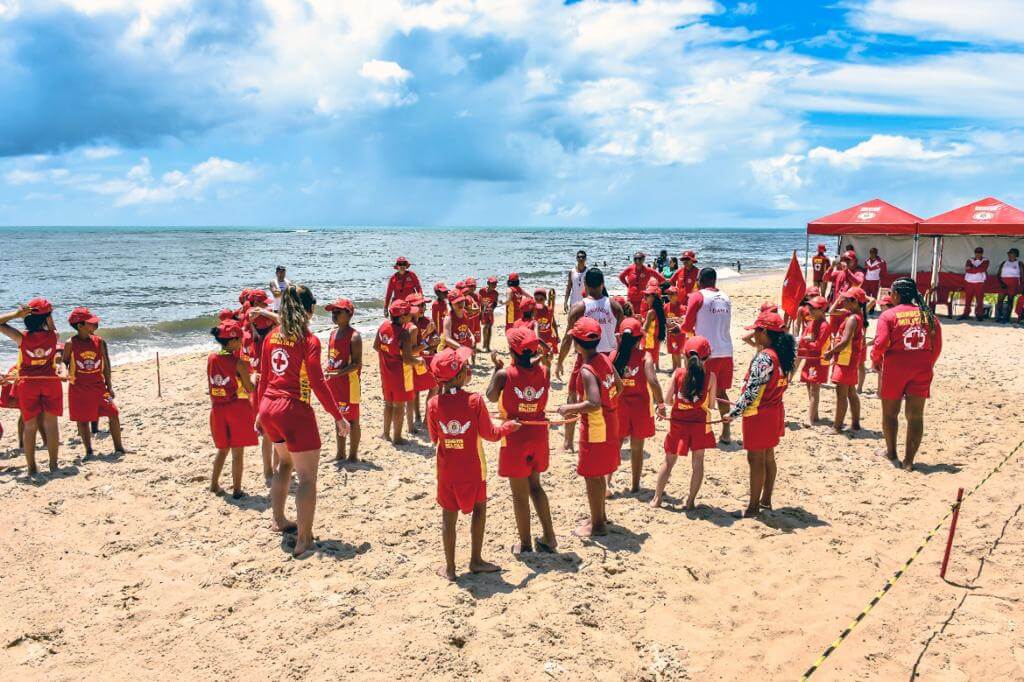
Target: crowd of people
point(268, 363)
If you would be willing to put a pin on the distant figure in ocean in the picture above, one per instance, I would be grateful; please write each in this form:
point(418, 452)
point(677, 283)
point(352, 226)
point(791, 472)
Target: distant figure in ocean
point(574, 286)
point(277, 286)
point(739, 266)
point(709, 314)
point(401, 284)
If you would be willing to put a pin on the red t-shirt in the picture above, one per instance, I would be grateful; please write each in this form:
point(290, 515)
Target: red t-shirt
point(222, 378)
point(903, 335)
point(400, 286)
point(456, 421)
point(37, 354)
point(86, 367)
point(291, 367)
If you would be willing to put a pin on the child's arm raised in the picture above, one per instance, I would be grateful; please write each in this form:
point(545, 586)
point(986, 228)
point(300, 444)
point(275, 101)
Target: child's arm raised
point(9, 331)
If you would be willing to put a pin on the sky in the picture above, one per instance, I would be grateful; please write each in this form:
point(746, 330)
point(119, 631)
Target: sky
point(646, 113)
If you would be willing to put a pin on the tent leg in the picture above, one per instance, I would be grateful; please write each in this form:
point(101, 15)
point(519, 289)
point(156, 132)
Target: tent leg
point(807, 252)
point(913, 257)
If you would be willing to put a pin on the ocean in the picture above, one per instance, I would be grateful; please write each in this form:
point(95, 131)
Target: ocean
point(159, 289)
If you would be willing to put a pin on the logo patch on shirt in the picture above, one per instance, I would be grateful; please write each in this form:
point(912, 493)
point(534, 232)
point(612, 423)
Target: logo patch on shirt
point(454, 428)
point(529, 393)
point(279, 361)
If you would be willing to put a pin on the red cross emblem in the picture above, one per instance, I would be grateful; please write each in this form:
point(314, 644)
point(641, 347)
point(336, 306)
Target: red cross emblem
point(279, 360)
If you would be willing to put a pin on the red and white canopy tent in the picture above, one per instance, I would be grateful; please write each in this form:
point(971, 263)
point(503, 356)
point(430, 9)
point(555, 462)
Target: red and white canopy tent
point(874, 223)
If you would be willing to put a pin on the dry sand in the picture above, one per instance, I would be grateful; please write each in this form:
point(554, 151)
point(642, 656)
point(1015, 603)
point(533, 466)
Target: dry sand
point(130, 568)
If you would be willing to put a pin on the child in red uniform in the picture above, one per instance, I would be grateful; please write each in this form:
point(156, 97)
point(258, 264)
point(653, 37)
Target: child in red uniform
point(231, 413)
point(760, 403)
point(813, 341)
point(547, 325)
point(258, 320)
point(420, 330)
point(291, 362)
point(526, 321)
point(473, 308)
point(457, 329)
point(90, 392)
point(633, 363)
point(513, 301)
point(457, 421)
point(439, 308)
point(522, 391)
point(654, 323)
point(820, 264)
point(692, 390)
point(488, 304)
point(675, 337)
point(40, 397)
point(393, 344)
point(846, 355)
point(599, 386)
point(343, 373)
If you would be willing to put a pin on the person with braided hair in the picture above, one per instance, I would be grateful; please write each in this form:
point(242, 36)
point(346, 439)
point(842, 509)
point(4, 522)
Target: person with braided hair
point(908, 341)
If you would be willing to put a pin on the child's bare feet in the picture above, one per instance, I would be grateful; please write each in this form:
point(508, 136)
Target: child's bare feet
point(518, 548)
point(302, 546)
point(482, 566)
point(855, 426)
point(353, 457)
point(547, 545)
point(656, 501)
point(284, 526)
point(587, 530)
point(908, 465)
point(690, 505)
point(446, 573)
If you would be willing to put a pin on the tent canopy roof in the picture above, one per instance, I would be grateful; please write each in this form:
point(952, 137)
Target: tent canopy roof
point(986, 216)
point(871, 217)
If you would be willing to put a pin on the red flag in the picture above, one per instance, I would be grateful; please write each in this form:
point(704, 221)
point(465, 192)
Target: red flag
point(794, 287)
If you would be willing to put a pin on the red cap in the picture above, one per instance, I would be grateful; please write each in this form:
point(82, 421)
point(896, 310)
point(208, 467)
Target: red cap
point(672, 291)
point(540, 291)
point(460, 285)
point(856, 293)
point(258, 296)
point(858, 277)
point(447, 364)
point(817, 302)
point(440, 287)
point(621, 300)
point(586, 329)
point(652, 290)
point(399, 308)
point(244, 296)
point(813, 291)
point(885, 300)
point(402, 260)
point(40, 306)
point(492, 280)
point(415, 298)
point(698, 345)
point(821, 248)
point(458, 298)
point(80, 315)
point(522, 339)
point(689, 255)
point(341, 304)
point(513, 277)
point(769, 307)
point(769, 321)
point(226, 315)
point(527, 305)
point(471, 281)
point(631, 326)
point(848, 255)
point(229, 329)
point(263, 322)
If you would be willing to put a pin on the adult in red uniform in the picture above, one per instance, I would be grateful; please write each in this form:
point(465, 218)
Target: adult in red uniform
point(488, 304)
point(975, 275)
point(402, 283)
point(760, 403)
point(291, 362)
point(685, 278)
point(637, 277)
point(90, 390)
point(820, 264)
point(908, 341)
point(692, 391)
point(847, 355)
point(635, 366)
point(814, 339)
point(231, 412)
point(521, 391)
point(875, 272)
point(343, 370)
point(457, 422)
point(393, 344)
point(40, 397)
point(1011, 275)
point(513, 301)
point(599, 386)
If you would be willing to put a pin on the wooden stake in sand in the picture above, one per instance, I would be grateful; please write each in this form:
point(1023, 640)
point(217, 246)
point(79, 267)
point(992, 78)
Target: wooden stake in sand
point(952, 530)
point(159, 392)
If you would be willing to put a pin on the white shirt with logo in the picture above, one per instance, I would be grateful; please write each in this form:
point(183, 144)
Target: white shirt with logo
point(601, 311)
point(714, 318)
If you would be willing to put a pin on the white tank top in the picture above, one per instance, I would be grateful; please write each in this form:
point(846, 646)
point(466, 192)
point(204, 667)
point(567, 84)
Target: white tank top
point(713, 320)
point(601, 310)
point(1010, 269)
point(576, 292)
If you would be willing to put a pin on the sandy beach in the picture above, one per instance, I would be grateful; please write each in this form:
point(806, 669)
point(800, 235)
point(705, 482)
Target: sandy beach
point(129, 567)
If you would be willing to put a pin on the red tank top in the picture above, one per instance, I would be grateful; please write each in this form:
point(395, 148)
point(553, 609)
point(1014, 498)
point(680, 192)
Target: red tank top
point(391, 346)
point(438, 311)
point(525, 395)
point(769, 395)
point(634, 380)
point(488, 300)
point(288, 375)
point(594, 426)
point(674, 315)
point(853, 353)
point(462, 331)
point(813, 341)
point(545, 330)
point(37, 354)
point(222, 377)
point(472, 306)
point(513, 307)
point(86, 367)
point(426, 337)
point(460, 453)
point(344, 388)
point(685, 411)
point(652, 331)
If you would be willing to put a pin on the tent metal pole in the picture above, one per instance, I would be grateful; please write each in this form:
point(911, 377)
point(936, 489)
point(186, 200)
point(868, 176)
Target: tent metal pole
point(913, 257)
point(937, 245)
point(807, 252)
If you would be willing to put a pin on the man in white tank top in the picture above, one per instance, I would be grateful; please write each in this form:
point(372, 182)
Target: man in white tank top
point(709, 314)
point(574, 287)
point(1011, 275)
point(600, 308)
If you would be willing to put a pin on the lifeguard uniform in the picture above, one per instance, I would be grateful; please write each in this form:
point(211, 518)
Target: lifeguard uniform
point(811, 346)
point(636, 281)
point(524, 398)
point(685, 281)
point(689, 421)
point(439, 311)
point(599, 438)
point(513, 306)
point(462, 330)
point(875, 270)
point(291, 367)
point(422, 379)
point(975, 274)
point(396, 378)
point(652, 344)
point(400, 286)
point(906, 352)
point(345, 388)
point(544, 318)
point(635, 416)
point(820, 264)
point(846, 363)
point(675, 337)
point(764, 419)
point(428, 335)
point(38, 386)
point(709, 314)
point(457, 421)
point(88, 397)
point(473, 311)
point(488, 302)
point(232, 418)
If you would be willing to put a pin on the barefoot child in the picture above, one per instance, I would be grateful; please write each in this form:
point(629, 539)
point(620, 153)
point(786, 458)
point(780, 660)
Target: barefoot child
point(439, 309)
point(343, 373)
point(231, 413)
point(547, 325)
point(521, 391)
point(513, 301)
point(813, 341)
point(257, 322)
point(639, 376)
point(420, 329)
point(488, 304)
point(393, 344)
point(599, 387)
point(846, 355)
point(675, 337)
point(457, 421)
point(457, 329)
point(90, 392)
point(692, 391)
point(654, 323)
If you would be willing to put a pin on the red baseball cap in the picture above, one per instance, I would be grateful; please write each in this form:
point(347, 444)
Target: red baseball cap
point(471, 281)
point(80, 315)
point(460, 285)
point(521, 339)
point(621, 300)
point(769, 321)
point(540, 291)
point(817, 302)
point(631, 326)
point(401, 260)
point(652, 290)
point(513, 277)
point(698, 345)
point(447, 364)
point(527, 305)
point(492, 280)
point(440, 287)
point(856, 293)
point(229, 329)
point(769, 307)
point(858, 277)
point(244, 296)
point(226, 314)
point(415, 298)
point(263, 322)
point(40, 306)
point(885, 300)
point(586, 329)
point(672, 291)
point(690, 256)
point(813, 291)
point(821, 248)
point(258, 296)
point(399, 308)
point(341, 304)
point(458, 298)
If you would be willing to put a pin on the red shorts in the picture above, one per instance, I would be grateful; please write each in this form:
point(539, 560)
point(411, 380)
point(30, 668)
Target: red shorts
point(654, 352)
point(524, 452)
point(598, 459)
point(674, 343)
point(763, 430)
point(813, 373)
point(290, 421)
point(36, 396)
point(487, 318)
point(897, 380)
point(845, 376)
point(422, 379)
point(722, 369)
point(461, 496)
point(871, 287)
point(8, 397)
point(231, 425)
point(683, 439)
point(350, 411)
point(89, 403)
point(635, 419)
point(395, 386)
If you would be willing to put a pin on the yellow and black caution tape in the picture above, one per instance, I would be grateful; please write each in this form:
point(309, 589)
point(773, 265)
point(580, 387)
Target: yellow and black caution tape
point(899, 574)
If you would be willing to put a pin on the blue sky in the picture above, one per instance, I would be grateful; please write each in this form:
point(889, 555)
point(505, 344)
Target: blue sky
point(504, 112)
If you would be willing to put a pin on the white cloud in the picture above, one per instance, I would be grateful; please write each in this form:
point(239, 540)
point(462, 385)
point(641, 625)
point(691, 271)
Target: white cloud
point(745, 8)
point(778, 172)
point(887, 149)
point(101, 152)
point(384, 72)
point(23, 176)
point(550, 208)
point(985, 21)
point(139, 186)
